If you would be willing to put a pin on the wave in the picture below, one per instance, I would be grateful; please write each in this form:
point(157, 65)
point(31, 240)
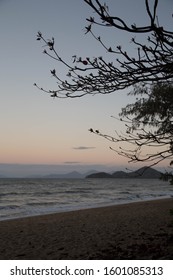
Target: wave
point(23, 197)
point(9, 207)
point(41, 203)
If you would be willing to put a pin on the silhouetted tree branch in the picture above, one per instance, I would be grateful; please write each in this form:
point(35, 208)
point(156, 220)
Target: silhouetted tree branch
point(149, 120)
point(153, 61)
point(149, 125)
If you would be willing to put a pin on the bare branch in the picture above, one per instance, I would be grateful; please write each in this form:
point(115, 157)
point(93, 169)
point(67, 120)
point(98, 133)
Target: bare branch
point(153, 62)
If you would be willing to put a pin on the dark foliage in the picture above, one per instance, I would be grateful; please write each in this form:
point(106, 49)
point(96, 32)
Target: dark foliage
point(149, 125)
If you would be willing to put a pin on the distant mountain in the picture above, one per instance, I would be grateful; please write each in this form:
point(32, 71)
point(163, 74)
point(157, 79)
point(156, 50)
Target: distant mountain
point(142, 173)
point(71, 175)
point(146, 173)
point(120, 174)
point(99, 175)
point(89, 173)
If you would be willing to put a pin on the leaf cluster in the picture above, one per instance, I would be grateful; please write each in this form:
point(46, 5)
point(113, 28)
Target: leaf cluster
point(154, 108)
point(149, 126)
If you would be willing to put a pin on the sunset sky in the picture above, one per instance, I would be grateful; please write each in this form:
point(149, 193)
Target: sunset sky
point(34, 128)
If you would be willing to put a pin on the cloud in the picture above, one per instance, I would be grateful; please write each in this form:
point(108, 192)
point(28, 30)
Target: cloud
point(83, 148)
point(72, 162)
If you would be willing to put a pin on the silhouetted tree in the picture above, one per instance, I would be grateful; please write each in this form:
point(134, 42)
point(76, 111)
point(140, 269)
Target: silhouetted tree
point(153, 61)
point(149, 124)
point(150, 72)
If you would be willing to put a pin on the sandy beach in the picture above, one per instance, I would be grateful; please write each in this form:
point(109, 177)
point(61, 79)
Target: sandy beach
point(140, 230)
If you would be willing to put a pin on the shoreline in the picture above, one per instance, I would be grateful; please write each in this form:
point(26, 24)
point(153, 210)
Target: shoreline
point(101, 205)
point(138, 230)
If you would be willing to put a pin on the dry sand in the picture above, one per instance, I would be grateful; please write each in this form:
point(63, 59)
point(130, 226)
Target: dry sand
point(140, 230)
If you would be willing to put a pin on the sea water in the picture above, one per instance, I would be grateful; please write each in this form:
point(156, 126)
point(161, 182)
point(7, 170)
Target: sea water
point(30, 197)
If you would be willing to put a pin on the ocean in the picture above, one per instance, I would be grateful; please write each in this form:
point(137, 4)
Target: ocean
point(30, 197)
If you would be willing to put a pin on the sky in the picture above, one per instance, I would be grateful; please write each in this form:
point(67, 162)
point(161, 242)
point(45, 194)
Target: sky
point(37, 129)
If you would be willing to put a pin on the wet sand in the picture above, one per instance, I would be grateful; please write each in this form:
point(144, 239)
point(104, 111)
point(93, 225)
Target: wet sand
point(140, 230)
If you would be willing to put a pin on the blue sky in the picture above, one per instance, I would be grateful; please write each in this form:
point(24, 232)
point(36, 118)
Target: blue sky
point(36, 129)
